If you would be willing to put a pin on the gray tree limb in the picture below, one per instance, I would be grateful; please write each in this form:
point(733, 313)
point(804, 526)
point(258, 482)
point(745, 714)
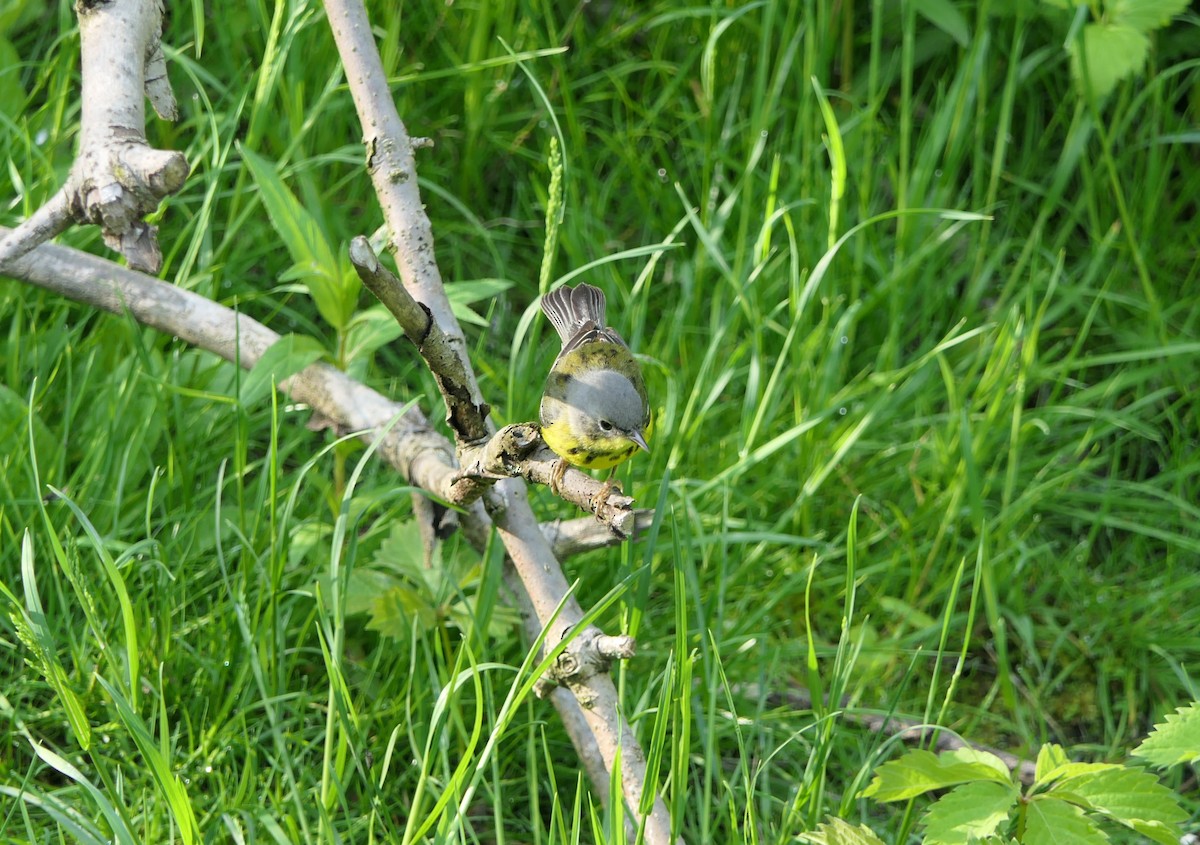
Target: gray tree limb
point(117, 177)
point(420, 454)
point(393, 172)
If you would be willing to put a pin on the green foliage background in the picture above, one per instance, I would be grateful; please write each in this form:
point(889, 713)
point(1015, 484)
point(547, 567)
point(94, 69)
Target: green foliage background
point(1011, 402)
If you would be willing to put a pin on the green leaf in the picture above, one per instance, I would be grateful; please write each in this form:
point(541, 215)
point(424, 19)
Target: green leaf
point(969, 812)
point(1123, 794)
point(841, 832)
point(369, 329)
point(920, 771)
point(1070, 770)
point(1144, 15)
point(392, 613)
point(404, 553)
point(334, 290)
point(463, 294)
point(945, 16)
point(1157, 831)
point(364, 587)
point(1049, 821)
point(1177, 740)
point(285, 357)
point(1050, 757)
point(1112, 52)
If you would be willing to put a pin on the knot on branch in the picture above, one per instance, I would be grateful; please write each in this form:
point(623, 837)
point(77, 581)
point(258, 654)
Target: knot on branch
point(589, 654)
point(116, 184)
point(503, 454)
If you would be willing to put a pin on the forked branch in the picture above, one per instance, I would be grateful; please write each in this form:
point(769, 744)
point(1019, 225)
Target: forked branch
point(393, 173)
point(516, 451)
point(117, 177)
point(421, 455)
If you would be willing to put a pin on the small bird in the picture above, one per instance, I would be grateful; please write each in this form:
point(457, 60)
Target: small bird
point(594, 410)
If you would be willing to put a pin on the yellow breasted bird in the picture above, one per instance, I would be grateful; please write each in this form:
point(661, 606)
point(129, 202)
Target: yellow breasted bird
point(594, 409)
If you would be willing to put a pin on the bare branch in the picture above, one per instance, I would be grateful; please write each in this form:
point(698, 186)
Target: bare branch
point(466, 417)
point(393, 173)
point(576, 536)
point(418, 452)
point(47, 222)
point(117, 178)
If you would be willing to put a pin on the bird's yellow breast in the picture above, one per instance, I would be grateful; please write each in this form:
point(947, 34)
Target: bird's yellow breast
point(581, 452)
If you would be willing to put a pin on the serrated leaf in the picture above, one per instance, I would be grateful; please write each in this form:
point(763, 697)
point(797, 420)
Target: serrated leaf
point(1123, 794)
point(1157, 831)
point(333, 288)
point(1050, 757)
point(404, 553)
point(1177, 740)
point(1144, 15)
point(969, 812)
point(1112, 51)
point(1049, 821)
point(1070, 770)
point(920, 771)
point(945, 16)
point(841, 832)
point(285, 357)
point(400, 590)
point(364, 586)
point(392, 613)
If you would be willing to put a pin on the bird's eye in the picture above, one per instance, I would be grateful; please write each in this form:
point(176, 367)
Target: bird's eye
point(605, 425)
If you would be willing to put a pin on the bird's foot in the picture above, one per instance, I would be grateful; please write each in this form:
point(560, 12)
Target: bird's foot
point(556, 477)
point(611, 485)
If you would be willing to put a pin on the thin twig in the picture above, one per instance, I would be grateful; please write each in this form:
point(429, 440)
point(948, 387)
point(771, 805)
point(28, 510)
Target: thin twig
point(907, 730)
point(48, 221)
point(466, 417)
point(573, 536)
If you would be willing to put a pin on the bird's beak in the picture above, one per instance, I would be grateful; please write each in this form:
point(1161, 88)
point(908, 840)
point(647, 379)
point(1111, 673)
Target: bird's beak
point(636, 437)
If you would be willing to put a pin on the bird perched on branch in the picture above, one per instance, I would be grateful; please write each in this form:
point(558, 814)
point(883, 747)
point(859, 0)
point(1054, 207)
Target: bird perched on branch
point(594, 410)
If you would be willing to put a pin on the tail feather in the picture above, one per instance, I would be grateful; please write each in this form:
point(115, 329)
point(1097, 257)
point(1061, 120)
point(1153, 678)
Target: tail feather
point(570, 309)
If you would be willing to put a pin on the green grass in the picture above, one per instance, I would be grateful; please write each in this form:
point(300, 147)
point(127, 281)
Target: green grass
point(996, 370)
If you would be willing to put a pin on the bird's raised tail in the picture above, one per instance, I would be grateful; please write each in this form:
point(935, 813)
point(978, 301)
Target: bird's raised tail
point(572, 309)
